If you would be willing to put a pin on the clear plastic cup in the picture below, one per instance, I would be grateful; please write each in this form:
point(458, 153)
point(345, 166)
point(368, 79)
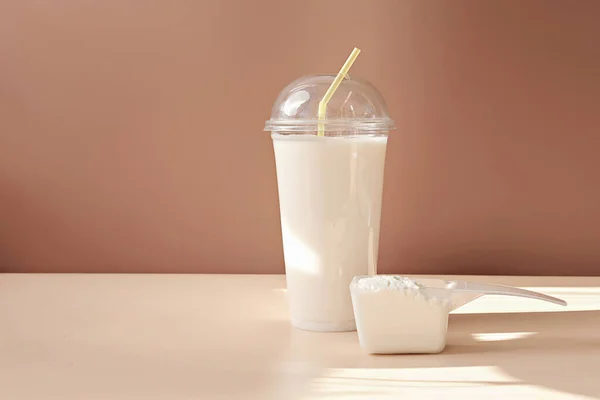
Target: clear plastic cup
point(330, 190)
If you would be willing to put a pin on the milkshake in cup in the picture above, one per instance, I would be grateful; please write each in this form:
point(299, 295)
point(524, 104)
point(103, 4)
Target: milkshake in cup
point(330, 181)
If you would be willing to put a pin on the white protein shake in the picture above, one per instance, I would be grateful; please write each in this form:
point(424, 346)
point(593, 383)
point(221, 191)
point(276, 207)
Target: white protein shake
point(330, 191)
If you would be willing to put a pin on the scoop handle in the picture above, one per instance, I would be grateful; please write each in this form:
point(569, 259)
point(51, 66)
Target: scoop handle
point(486, 288)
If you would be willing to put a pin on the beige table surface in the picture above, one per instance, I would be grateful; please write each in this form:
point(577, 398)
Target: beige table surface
point(177, 337)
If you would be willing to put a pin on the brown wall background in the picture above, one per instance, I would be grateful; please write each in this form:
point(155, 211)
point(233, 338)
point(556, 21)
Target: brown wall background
point(130, 131)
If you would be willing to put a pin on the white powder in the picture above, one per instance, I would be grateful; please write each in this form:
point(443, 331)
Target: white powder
point(387, 282)
point(396, 314)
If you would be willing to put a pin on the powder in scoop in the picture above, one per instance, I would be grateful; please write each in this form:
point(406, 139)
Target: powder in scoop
point(387, 282)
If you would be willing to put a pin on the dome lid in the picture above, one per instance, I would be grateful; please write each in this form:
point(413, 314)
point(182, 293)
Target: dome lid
point(356, 107)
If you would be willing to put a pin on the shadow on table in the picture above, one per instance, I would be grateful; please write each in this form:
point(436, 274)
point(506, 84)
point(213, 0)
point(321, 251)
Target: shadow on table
point(557, 350)
point(561, 353)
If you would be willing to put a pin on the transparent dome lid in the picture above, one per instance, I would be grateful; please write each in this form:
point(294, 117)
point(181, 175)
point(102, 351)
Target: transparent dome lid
point(355, 108)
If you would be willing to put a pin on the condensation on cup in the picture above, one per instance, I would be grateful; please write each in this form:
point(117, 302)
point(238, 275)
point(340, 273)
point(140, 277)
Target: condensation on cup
point(330, 188)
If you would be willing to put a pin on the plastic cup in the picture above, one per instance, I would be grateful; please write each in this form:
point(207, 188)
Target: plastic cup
point(330, 190)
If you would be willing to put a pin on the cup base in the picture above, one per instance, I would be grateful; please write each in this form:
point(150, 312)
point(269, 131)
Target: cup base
point(319, 326)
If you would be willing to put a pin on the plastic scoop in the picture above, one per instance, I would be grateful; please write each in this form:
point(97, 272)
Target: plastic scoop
point(464, 292)
point(460, 293)
point(399, 315)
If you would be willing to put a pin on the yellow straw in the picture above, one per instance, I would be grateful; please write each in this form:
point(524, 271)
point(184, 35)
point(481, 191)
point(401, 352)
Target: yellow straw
point(334, 85)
